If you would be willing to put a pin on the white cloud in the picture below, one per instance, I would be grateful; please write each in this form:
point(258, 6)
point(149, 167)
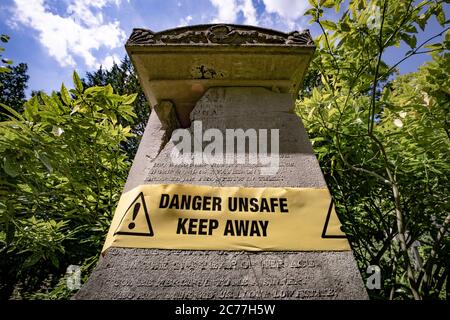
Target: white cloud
point(280, 14)
point(76, 34)
point(227, 11)
point(290, 10)
point(81, 11)
point(108, 62)
point(185, 21)
point(249, 12)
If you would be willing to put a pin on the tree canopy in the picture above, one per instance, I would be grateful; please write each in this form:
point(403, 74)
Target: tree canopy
point(63, 173)
point(383, 139)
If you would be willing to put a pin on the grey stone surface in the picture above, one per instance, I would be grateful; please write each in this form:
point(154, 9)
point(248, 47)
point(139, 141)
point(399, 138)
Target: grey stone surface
point(173, 274)
point(244, 108)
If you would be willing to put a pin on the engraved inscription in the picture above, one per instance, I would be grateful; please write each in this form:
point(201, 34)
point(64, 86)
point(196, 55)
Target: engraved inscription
point(177, 274)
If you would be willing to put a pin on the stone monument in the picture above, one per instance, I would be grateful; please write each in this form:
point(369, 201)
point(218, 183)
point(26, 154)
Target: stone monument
point(226, 76)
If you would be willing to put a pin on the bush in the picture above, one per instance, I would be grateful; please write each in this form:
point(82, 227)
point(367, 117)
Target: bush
point(62, 172)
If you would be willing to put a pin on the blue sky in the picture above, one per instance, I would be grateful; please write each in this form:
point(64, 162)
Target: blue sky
point(55, 37)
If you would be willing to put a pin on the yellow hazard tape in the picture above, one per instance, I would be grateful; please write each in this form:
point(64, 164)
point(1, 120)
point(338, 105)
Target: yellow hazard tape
point(196, 217)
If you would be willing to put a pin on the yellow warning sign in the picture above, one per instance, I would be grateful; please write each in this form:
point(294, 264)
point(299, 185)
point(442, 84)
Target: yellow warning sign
point(195, 217)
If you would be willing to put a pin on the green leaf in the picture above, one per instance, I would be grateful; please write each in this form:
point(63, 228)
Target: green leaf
point(75, 109)
point(54, 261)
point(327, 3)
point(337, 7)
point(447, 40)
point(44, 97)
point(31, 261)
point(11, 167)
point(327, 24)
point(411, 40)
point(65, 96)
point(109, 90)
point(434, 46)
point(77, 82)
point(92, 90)
point(361, 5)
point(4, 69)
point(7, 61)
point(48, 102)
point(440, 14)
point(345, 27)
point(12, 111)
point(129, 99)
point(44, 159)
point(4, 38)
point(411, 28)
point(31, 108)
point(310, 12)
point(314, 3)
point(422, 21)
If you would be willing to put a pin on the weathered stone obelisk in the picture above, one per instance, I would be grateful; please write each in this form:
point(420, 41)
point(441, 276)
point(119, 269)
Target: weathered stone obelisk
point(227, 76)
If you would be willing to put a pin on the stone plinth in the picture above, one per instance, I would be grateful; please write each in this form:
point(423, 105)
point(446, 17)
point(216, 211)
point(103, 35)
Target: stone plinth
point(263, 98)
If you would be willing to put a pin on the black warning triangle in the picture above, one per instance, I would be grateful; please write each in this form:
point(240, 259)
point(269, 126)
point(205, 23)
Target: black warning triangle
point(327, 220)
point(136, 220)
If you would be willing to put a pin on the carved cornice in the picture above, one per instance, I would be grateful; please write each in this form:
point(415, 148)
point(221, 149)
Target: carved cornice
point(219, 34)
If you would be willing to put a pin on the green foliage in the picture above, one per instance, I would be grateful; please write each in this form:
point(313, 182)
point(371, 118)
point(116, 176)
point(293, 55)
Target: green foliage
point(61, 173)
point(4, 62)
point(383, 140)
point(124, 80)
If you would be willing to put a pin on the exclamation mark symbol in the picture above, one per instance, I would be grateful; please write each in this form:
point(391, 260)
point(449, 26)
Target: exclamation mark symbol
point(136, 208)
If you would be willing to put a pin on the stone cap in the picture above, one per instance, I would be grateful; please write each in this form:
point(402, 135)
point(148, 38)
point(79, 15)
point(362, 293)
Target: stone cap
point(180, 64)
point(219, 34)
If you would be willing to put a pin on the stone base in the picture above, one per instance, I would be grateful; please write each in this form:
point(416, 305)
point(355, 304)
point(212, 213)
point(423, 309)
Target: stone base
point(177, 274)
